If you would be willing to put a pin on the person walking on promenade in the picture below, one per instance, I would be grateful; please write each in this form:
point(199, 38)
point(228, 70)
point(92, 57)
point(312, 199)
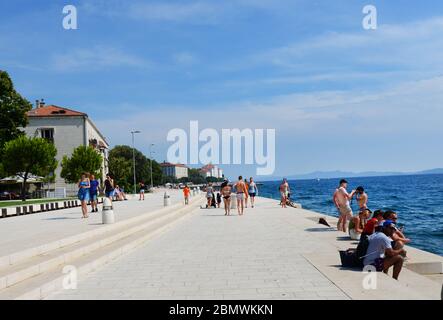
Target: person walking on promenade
point(284, 192)
point(226, 191)
point(109, 187)
point(209, 195)
point(83, 193)
point(252, 190)
point(342, 200)
point(242, 195)
point(142, 191)
point(362, 198)
point(186, 193)
point(218, 199)
point(93, 193)
point(247, 188)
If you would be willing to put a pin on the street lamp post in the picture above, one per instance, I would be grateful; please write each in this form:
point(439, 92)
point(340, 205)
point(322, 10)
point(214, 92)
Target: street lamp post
point(133, 159)
point(150, 156)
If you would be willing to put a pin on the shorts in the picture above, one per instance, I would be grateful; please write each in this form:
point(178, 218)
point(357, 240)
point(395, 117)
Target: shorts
point(240, 196)
point(93, 196)
point(142, 190)
point(109, 194)
point(379, 264)
point(83, 195)
point(354, 235)
point(284, 194)
point(345, 211)
point(252, 194)
point(209, 196)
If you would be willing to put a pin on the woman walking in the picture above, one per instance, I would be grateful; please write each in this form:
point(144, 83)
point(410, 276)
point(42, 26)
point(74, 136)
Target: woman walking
point(252, 190)
point(142, 191)
point(209, 195)
point(83, 193)
point(226, 193)
point(109, 187)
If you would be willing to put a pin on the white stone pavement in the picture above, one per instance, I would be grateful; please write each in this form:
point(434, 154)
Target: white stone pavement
point(211, 256)
point(28, 231)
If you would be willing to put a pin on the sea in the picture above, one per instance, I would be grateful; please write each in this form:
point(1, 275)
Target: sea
point(418, 200)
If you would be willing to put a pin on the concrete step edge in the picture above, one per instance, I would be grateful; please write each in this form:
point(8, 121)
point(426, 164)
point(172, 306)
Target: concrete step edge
point(10, 279)
point(51, 281)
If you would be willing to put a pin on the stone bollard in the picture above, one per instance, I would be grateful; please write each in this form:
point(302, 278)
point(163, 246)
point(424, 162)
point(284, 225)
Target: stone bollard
point(31, 209)
point(107, 212)
point(233, 201)
point(166, 199)
point(42, 208)
point(4, 213)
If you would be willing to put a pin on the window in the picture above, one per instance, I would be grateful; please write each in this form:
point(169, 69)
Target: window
point(48, 134)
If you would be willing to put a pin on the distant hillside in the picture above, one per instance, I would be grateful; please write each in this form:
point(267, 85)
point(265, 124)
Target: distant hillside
point(347, 174)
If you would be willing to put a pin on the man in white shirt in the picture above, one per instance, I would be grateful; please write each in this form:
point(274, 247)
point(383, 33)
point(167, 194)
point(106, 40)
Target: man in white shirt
point(342, 201)
point(380, 253)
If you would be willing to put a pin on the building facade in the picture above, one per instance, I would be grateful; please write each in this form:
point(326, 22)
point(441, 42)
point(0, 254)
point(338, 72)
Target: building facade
point(211, 170)
point(174, 170)
point(67, 129)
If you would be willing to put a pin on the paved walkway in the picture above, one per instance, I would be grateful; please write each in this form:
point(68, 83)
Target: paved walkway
point(24, 232)
point(210, 256)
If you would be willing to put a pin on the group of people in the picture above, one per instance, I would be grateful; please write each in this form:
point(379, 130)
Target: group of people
point(381, 242)
point(89, 189)
point(244, 190)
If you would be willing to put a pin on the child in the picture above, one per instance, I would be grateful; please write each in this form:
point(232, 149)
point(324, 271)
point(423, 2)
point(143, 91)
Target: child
point(218, 199)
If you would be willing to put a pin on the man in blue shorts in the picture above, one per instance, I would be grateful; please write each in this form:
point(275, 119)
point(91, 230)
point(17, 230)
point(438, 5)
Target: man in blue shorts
point(93, 193)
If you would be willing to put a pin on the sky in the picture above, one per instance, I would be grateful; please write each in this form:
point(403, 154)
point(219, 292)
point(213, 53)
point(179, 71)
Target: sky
point(339, 97)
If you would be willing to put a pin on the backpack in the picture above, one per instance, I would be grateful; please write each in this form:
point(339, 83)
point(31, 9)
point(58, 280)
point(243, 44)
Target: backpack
point(362, 247)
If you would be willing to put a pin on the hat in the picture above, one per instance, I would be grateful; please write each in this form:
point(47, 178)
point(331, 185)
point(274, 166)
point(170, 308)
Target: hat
point(389, 224)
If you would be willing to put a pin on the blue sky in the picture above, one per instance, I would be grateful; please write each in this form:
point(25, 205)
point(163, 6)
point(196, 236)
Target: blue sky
point(340, 97)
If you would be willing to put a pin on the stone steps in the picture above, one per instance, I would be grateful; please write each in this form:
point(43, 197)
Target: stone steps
point(36, 272)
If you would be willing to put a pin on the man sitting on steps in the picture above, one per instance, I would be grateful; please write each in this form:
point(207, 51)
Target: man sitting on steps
point(380, 253)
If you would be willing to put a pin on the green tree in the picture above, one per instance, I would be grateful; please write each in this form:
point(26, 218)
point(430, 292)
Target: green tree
point(195, 176)
point(120, 169)
point(83, 159)
point(13, 109)
point(24, 156)
point(142, 166)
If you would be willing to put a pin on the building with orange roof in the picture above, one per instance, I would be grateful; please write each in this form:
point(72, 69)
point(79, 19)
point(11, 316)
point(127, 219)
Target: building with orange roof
point(67, 129)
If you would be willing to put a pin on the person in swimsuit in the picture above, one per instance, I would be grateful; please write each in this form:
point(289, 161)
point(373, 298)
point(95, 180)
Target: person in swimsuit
point(252, 190)
point(209, 195)
point(284, 192)
point(83, 193)
point(242, 195)
point(362, 198)
point(357, 224)
point(342, 200)
point(226, 191)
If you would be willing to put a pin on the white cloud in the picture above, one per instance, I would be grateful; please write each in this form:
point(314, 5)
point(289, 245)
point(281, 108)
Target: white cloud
point(95, 58)
point(184, 58)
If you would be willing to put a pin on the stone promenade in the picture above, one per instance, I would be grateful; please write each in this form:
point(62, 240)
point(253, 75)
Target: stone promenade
point(211, 256)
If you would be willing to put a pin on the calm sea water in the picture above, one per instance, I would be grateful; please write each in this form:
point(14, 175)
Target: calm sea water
point(418, 200)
